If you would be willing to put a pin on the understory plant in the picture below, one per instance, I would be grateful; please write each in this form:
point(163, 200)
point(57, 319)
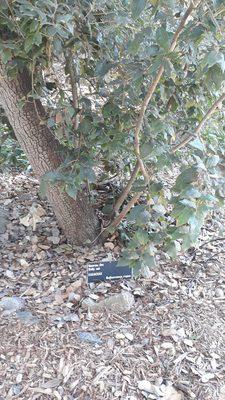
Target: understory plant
point(133, 90)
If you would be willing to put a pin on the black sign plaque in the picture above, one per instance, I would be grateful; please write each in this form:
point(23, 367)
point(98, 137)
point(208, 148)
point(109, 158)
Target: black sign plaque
point(107, 271)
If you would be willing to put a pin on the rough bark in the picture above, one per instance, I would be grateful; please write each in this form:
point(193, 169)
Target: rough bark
point(27, 118)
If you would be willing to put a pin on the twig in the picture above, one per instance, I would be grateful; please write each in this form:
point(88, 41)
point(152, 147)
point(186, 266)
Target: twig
point(210, 241)
point(73, 81)
point(140, 165)
point(209, 113)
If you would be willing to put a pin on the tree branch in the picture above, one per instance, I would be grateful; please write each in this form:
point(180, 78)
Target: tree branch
point(126, 190)
point(152, 89)
point(73, 81)
point(209, 113)
point(125, 211)
point(139, 164)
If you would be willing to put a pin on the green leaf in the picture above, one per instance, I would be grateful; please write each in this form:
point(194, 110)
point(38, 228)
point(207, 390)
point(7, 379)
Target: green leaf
point(212, 161)
point(216, 76)
point(110, 110)
point(182, 213)
point(197, 33)
point(168, 66)
point(190, 192)
point(71, 190)
point(50, 122)
point(137, 6)
point(186, 177)
point(188, 203)
point(155, 188)
point(163, 38)
point(173, 248)
point(140, 237)
point(102, 68)
point(6, 55)
point(139, 214)
point(197, 144)
point(123, 262)
point(148, 260)
point(214, 57)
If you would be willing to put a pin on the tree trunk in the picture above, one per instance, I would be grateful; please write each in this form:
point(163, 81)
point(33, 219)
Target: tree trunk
point(27, 118)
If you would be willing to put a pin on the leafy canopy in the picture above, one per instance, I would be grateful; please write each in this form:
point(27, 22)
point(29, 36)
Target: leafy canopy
point(91, 65)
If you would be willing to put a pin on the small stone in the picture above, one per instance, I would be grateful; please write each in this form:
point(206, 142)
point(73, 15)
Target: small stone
point(118, 303)
point(71, 318)
point(129, 336)
point(139, 292)
point(19, 378)
point(167, 345)
point(54, 239)
point(9, 274)
point(24, 263)
point(121, 302)
point(88, 303)
point(74, 297)
point(170, 393)
point(76, 284)
point(219, 293)
point(16, 389)
point(109, 245)
point(169, 332)
point(89, 337)
point(12, 304)
point(93, 296)
point(181, 332)
point(188, 342)
point(207, 377)
point(27, 318)
point(146, 386)
point(119, 336)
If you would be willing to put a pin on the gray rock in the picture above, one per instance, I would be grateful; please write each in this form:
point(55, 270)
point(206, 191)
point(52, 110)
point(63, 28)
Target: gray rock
point(117, 303)
point(71, 318)
point(16, 389)
point(12, 304)
point(89, 337)
point(88, 303)
point(3, 220)
point(27, 318)
point(219, 293)
point(146, 386)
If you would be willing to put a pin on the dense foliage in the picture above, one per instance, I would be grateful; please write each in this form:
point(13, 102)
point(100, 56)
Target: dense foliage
point(92, 64)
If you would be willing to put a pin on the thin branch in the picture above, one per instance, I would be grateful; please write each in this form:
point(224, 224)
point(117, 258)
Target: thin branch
point(126, 190)
point(209, 113)
point(73, 82)
point(152, 89)
point(139, 164)
point(125, 211)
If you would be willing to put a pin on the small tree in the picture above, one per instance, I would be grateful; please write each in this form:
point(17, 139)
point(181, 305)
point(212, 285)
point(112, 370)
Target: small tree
point(128, 88)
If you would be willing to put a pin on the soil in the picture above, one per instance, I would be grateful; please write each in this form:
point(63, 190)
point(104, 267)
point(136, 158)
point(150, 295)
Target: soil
point(170, 345)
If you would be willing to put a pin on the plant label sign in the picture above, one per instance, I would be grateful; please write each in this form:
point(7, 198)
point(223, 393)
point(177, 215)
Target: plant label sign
point(107, 271)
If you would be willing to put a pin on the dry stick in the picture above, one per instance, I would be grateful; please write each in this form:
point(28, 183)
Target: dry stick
point(201, 124)
point(139, 164)
point(73, 82)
